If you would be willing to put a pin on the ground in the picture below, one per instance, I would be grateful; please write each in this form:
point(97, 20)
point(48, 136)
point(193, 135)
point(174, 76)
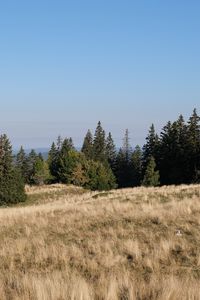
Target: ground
point(68, 243)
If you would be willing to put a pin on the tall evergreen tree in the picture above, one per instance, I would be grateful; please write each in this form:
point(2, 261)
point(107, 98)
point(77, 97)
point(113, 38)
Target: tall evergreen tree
point(151, 147)
point(99, 144)
point(66, 146)
point(127, 147)
point(5, 155)
point(194, 146)
point(136, 165)
point(11, 183)
point(22, 164)
point(53, 157)
point(124, 171)
point(66, 161)
point(111, 152)
point(172, 153)
point(87, 147)
point(31, 160)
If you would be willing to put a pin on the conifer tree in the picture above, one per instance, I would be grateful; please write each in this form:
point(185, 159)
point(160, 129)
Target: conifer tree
point(66, 146)
point(5, 155)
point(99, 176)
point(11, 183)
point(41, 173)
point(99, 144)
point(126, 147)
point(59, 143)
point(194, 146)
point(120, 169)
point(22, 164)
point(136, 165)
point(53, 157)
point(111, 152)
point(124, 171)
point(31, 160)
point(151, 147)
point(151, 177)
point(68, 159)
point(87, 147)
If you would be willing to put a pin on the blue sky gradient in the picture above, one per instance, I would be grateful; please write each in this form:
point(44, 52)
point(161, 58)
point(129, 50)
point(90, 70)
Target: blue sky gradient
point(64, 65)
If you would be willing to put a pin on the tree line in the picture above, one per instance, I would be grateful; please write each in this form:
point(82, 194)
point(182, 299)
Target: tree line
point(172, 157)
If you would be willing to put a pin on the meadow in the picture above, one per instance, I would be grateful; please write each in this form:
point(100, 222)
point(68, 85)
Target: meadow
point(128, 244)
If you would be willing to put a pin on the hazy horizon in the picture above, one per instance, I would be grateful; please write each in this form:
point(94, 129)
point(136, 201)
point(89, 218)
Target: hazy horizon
point(66, 65)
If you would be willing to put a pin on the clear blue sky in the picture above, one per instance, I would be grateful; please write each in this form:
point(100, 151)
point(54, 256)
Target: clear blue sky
point(64, 65)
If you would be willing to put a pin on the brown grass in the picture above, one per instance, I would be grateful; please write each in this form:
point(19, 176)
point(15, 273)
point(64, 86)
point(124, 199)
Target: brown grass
point(125, 244)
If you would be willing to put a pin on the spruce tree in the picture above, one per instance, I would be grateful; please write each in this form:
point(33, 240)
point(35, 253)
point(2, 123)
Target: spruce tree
point(150, 148)
point(53, 157)
point(87, 147)
point(111, 152)
point(31, 160)
point(99, 144)
point(151, 177)
point(124, 171)
point(11, 182)
point(120, 169)
point(136, 165)
point(66, 146)
point(172, 160)
point(68, 160)
point(22, 164)
point(193, 137)
point(127, 147)
point(99, 177)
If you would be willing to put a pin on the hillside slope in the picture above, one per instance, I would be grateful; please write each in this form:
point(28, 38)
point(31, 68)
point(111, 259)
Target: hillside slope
point(66, 243)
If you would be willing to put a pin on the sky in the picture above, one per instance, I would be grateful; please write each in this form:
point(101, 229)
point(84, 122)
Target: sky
point(65, 65)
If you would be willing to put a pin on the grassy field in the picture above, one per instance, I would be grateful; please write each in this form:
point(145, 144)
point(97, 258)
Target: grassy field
point(67, 243)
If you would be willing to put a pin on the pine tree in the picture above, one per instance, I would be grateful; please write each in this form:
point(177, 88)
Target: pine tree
point(11, 183)
point(87, 147)
point(99, 144)
point(151, 177)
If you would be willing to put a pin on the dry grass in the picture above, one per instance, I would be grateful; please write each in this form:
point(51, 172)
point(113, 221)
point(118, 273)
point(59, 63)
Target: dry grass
point(126, 244)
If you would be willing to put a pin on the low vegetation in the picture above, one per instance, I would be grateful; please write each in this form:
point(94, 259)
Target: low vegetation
point(69, 243)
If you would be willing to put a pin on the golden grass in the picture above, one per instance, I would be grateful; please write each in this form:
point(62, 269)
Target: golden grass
point(141, 243)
